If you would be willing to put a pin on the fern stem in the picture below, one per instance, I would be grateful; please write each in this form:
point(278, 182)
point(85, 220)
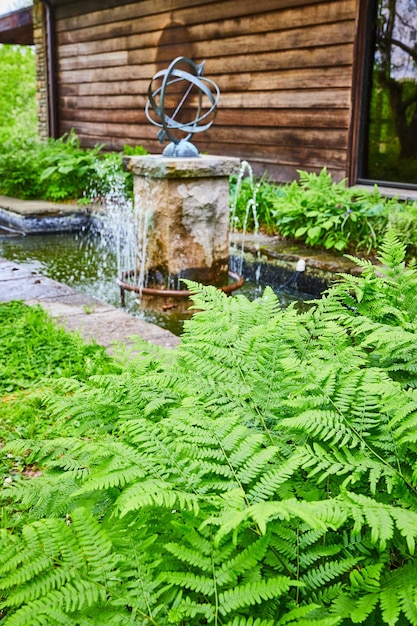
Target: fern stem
point(297, 597)
point(216, 597)
point(256, 409)
point(232, 470)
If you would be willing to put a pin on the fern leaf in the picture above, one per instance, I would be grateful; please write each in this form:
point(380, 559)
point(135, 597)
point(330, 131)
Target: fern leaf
point(242, 562)
point(253, 593)
point(364, 607)
point(390, 607)
point(309, 615)
point(327, 425)
point(157, 493)
point(250, 621)
point(187, 580)
point(408, 602)
point(274, 478)
point(326, 572)
point(190, 556)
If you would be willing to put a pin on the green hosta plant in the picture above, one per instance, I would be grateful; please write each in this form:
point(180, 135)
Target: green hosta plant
point(262, 474)
point(252, 203)
point(328, 214)
point(60, 170)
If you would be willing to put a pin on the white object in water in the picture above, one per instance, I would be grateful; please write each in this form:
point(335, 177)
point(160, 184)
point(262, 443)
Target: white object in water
point(301, 265)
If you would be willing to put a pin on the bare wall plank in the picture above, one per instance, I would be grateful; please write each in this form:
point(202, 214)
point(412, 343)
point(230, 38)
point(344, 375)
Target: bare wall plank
point(330, 56)
point(215, 25)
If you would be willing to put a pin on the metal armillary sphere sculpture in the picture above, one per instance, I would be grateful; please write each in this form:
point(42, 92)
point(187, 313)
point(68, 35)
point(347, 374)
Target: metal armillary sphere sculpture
point(198, 88)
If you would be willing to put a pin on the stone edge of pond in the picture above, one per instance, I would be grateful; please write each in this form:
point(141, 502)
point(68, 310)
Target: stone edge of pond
point(265, 255)
point(95, 320)
point(39, 216)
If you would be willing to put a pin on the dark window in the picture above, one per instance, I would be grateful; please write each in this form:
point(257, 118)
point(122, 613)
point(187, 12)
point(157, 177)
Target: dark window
point(388, 145)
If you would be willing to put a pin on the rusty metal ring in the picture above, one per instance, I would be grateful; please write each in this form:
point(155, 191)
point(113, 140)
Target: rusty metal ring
point(176, 293)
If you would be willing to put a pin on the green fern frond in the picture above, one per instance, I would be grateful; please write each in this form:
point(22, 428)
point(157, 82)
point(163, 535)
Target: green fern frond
point(190, 556)
point(381, 519)
point(317, 577)
point(310, 615)
point(408, 601)
point(71, 568)
point(254, 593)
point(313, 554)
point(187, 580)
point(394, 591)
point(154, 492)
point(327, 425)
point(270, 481)
point(247, 559)
point(243, 621)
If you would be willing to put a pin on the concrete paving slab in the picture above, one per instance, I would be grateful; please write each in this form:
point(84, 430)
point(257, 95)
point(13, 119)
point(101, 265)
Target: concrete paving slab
point(94, 319)
point(74, 298)
point(12, 271)
point(67, 307)
point(35, 286)
point(109, 327)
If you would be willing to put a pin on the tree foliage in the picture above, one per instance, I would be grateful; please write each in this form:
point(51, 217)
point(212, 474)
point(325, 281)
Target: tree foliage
point(263, 473)
point(17, 93)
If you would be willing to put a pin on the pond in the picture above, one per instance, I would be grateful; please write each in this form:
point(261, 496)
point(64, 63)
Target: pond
point(87, 262)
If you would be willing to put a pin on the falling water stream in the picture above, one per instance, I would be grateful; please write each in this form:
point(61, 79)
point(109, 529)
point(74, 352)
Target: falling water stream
point(237, 250)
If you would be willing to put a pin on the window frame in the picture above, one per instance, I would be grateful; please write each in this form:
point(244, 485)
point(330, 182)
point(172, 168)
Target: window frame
point(361, 89)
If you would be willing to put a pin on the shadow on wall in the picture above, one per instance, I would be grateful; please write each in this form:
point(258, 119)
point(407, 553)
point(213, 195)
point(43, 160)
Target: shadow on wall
point(174, 42)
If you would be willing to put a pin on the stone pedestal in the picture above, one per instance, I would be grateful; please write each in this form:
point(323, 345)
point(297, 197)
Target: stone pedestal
point(185, 202)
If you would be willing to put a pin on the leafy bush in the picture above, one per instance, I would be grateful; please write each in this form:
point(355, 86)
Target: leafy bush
point(322, 213)
point(404, 223)
point(261, 474)
point(60, 170)
point(252, 203)
point(56, 170)
point(330, 214)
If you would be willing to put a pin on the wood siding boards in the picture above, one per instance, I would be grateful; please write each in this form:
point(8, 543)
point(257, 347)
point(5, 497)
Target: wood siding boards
point(284, 68)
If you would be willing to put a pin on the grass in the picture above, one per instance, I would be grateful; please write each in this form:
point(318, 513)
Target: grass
point(32, 347)
point(34, 352)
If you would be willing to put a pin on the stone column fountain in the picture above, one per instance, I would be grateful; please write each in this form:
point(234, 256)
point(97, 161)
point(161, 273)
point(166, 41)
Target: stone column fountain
point(182, 197)
point(188, 216)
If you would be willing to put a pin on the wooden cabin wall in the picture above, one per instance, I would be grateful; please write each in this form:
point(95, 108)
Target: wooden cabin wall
point(284, 68)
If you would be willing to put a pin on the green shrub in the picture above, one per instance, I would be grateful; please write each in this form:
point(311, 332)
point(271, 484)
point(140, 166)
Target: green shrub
point(322, 213)
point(60, 170)
point(261, 474)
point(252, 204)
point(328, 214)
point(404, 223)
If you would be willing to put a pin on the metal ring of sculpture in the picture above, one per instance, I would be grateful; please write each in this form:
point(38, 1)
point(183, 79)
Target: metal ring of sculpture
point(156, 101)
point(176, 293)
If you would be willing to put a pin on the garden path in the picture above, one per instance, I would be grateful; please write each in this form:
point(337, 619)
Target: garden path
point(96, 320)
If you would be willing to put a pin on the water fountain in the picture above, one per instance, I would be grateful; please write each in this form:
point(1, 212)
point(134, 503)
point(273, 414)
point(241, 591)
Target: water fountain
point(179, 227)
point(181, 197)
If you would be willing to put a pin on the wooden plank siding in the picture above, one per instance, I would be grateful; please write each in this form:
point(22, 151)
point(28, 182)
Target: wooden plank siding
point(284, 69)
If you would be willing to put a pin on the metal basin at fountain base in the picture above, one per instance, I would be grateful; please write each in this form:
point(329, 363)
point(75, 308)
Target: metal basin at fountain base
point(156, 295)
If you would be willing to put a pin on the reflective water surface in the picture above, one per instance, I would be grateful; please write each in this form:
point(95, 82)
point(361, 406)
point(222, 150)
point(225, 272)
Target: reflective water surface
point(87, 262)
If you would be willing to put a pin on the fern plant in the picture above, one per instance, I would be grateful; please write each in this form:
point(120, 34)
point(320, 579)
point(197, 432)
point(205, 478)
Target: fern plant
point(263, 473)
